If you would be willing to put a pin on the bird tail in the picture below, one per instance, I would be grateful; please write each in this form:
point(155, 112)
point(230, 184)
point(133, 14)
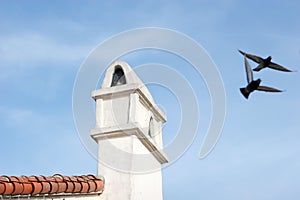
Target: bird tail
point(245, 92)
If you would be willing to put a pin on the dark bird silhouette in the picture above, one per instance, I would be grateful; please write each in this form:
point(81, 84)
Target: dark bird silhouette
point(263, 63)
point(254, 85)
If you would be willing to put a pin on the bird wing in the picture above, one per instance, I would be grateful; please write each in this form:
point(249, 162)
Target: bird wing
point(259, 67)
point(279, 67)
point(249, 72)
point(268, 89)
point(252, 57)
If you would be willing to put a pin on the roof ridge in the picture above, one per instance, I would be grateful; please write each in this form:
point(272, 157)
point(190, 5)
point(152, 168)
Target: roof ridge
point(55, 184)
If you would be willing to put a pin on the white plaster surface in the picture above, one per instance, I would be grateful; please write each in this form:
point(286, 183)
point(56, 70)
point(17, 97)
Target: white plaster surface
point(128, 157)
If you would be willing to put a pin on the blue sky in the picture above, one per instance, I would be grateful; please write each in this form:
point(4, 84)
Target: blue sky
point(43, 44)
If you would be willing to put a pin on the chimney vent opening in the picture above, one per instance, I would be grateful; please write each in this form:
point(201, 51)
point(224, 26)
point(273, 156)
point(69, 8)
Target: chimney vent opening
point(118, 77)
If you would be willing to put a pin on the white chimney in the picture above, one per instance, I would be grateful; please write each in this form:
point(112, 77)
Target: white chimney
point(129, 136)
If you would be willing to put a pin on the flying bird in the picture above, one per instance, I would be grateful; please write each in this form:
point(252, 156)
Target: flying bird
point(254, 85)
point(263, 63)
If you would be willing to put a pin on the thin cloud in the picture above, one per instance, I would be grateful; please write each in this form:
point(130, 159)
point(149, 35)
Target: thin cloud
point(36, 48)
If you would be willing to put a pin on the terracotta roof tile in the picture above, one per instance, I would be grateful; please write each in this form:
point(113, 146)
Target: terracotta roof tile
point(56, 184)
